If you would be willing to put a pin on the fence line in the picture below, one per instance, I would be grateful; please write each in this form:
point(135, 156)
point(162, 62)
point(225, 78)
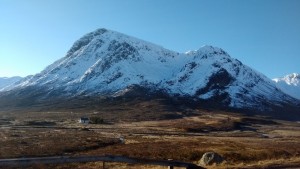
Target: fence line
point(80, 159)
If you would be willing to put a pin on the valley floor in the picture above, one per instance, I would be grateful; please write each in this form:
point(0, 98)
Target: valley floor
point(244, 142)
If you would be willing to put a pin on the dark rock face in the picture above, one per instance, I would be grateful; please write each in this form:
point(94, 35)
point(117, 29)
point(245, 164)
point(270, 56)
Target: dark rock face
point(118, 52)
point(219, 80)
point(210, 158)
point(122, 51)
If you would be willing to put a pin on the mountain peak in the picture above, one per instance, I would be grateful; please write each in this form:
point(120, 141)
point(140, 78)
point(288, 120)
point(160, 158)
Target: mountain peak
point(209, 51)
point(85, 40)
point(209, 48)
point(289, 84)
point(290, 79)
point(293, 76)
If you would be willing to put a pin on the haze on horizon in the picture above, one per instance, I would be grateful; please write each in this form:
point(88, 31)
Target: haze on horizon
point(262, 34)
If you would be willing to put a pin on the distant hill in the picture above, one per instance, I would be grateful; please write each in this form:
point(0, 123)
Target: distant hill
point(7, 81)
point(289, 84)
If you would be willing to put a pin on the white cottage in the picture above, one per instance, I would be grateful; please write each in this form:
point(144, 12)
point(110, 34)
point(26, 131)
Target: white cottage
point(84, 120)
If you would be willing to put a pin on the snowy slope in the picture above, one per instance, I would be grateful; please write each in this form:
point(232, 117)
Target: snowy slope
point(97, 62)
point(7, 81)
point(290, 84)
point(106, 62)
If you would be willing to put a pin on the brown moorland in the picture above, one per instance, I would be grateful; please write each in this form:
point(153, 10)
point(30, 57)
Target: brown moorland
point(151, 131)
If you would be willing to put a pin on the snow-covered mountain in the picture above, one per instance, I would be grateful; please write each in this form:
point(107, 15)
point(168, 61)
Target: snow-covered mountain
point(7, 81)
point(290, 84)
point(109, 63)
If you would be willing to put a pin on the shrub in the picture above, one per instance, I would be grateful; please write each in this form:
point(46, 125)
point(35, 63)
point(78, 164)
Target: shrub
point(97, 120)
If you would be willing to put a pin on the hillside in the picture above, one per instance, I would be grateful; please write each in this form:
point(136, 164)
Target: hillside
point(105, 64)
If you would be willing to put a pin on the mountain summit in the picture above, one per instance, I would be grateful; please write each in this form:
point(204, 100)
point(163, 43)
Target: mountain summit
point(290, 84)
point(111, 64)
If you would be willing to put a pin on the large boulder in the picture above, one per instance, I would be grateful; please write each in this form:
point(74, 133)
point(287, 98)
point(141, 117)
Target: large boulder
point(210, 158)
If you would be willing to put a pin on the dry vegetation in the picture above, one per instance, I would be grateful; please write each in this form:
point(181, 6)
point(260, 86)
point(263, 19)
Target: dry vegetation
point(244, 142)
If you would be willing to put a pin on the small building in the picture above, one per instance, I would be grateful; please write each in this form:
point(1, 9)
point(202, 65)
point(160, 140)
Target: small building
point(84, 120)
point(122, 140)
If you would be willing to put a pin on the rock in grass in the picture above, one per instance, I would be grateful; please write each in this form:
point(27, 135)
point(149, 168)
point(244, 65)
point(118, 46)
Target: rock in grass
point(211, 158)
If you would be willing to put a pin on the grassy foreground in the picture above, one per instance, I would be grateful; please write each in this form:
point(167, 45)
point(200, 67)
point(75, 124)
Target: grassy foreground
point(244, 142)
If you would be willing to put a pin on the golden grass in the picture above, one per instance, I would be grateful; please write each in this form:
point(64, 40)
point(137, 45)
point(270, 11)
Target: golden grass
point(187, 139)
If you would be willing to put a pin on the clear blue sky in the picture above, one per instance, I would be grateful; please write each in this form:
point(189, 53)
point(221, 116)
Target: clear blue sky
point(264, 34)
